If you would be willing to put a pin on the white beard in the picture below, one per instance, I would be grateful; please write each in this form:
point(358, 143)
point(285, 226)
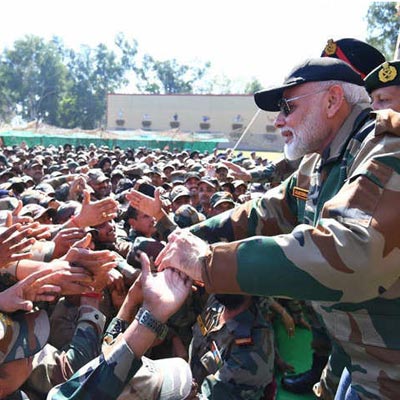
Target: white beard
point(307, 137)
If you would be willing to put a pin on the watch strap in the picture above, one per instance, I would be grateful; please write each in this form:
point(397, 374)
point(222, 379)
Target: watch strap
point(147, 319)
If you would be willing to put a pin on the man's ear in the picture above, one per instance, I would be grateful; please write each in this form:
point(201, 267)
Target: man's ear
point(335, 100)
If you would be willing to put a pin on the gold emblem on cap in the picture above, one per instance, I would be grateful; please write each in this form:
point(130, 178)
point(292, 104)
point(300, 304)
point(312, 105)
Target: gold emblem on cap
point(330, 48)
point(387, 73)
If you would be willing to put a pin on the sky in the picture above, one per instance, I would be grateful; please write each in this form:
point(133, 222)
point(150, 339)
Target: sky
point(243, 40)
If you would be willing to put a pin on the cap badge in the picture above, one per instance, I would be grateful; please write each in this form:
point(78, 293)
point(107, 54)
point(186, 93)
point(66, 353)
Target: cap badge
point(330, 48)
point(387, 73)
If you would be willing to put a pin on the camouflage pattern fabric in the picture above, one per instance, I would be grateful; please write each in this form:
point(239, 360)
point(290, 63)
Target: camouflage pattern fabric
point(235, 357)
point(329, 233)
point(22, 335)
point(102, 378)
point(51, 366)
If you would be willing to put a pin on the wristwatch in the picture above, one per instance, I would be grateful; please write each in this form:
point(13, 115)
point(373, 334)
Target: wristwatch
point(147, 319)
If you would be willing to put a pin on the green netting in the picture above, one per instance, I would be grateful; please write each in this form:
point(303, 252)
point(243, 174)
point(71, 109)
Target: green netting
point(11, 138)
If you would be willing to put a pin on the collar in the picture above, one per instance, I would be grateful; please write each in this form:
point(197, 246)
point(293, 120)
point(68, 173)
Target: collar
point(336, 147)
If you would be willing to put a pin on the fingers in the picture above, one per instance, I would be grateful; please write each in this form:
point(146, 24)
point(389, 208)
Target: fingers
point(9, 219)
point(145, 262)
point(84, 242)
point(17, 209)
point(86, 197)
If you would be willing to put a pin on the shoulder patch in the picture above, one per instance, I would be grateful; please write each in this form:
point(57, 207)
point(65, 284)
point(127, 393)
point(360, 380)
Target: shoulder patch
point(300, 193)
point(248, 341)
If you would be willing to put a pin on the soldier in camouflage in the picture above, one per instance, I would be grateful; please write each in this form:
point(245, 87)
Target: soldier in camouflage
point(232, 350)
point(327, 233)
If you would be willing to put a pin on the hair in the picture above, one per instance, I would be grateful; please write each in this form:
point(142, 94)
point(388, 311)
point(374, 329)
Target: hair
point(354, 94)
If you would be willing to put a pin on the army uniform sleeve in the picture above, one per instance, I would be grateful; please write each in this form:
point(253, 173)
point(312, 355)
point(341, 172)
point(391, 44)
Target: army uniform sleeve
point(354, 239)
point(103, 378)
point(272, 214)
point(51, 366)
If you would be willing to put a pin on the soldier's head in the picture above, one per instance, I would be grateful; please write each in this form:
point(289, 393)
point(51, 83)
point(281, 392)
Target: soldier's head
point(21, 337)
point(142, 223)
point(313, 102)
point(383, 85)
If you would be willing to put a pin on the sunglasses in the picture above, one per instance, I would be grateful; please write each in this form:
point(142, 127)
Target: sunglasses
point(284, 106)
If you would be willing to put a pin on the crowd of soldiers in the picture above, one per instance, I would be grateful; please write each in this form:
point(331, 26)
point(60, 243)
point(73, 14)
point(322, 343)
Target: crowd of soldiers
point(53, 198)
point(155, 273)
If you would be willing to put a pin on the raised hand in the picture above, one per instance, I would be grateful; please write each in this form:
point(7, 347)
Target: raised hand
point(95, 212)
point(164, 292)
point(98, 263)
point(44, 285)
point(65, 239)
point(15, 243)
point(148, 205)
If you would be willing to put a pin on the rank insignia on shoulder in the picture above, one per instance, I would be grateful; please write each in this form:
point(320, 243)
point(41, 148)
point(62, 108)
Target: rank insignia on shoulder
point(244, 341)
point(202, 327)
point(300, 193)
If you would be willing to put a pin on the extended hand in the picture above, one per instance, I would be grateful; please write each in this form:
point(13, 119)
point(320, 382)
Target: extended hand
point(183, 252)
point(146, 204)
point(164, 292)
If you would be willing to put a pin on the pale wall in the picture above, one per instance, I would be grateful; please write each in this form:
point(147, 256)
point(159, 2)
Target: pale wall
point(222, 110)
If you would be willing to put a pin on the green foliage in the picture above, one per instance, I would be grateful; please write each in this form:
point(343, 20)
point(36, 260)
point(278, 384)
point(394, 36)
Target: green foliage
point(45, 81)
point(169, 76)
point(32, 76)
point(383, 27)
point(253, 86)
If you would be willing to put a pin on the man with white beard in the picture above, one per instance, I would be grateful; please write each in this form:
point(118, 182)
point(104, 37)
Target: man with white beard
point(329, 233)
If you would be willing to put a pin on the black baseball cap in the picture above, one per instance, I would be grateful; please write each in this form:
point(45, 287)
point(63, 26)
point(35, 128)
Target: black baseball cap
point(310, 70)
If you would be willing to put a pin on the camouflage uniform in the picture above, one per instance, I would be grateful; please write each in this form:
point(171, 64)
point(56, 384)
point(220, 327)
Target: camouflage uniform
point(233, 360)
point(51, 366)
point(274, 172)
point(118, 374)
point(329, 233)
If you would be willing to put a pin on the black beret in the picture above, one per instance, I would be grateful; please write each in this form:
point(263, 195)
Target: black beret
point(361, 56)
point(387, 74)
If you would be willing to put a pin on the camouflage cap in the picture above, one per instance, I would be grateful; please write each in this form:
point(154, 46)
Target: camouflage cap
point(34, 162)
point(66, 211)
point(186, 215)
point(386, 74)
point(150, 246)
point(191, 174)
point(163, 379)
point(36, 211)
point(221, 197)
point(36, 196)
point(239, 182)
point(96, 175)
point(22, 335)
point(178, 191)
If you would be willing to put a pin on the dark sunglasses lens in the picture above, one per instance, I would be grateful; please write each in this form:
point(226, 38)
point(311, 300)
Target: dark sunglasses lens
point(284, 107)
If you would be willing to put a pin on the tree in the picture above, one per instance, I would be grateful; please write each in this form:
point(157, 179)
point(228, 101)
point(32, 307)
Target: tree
point(383, 27)
point(169, 76)
point(92, 74)
point(32, 77)
point(253, 86)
